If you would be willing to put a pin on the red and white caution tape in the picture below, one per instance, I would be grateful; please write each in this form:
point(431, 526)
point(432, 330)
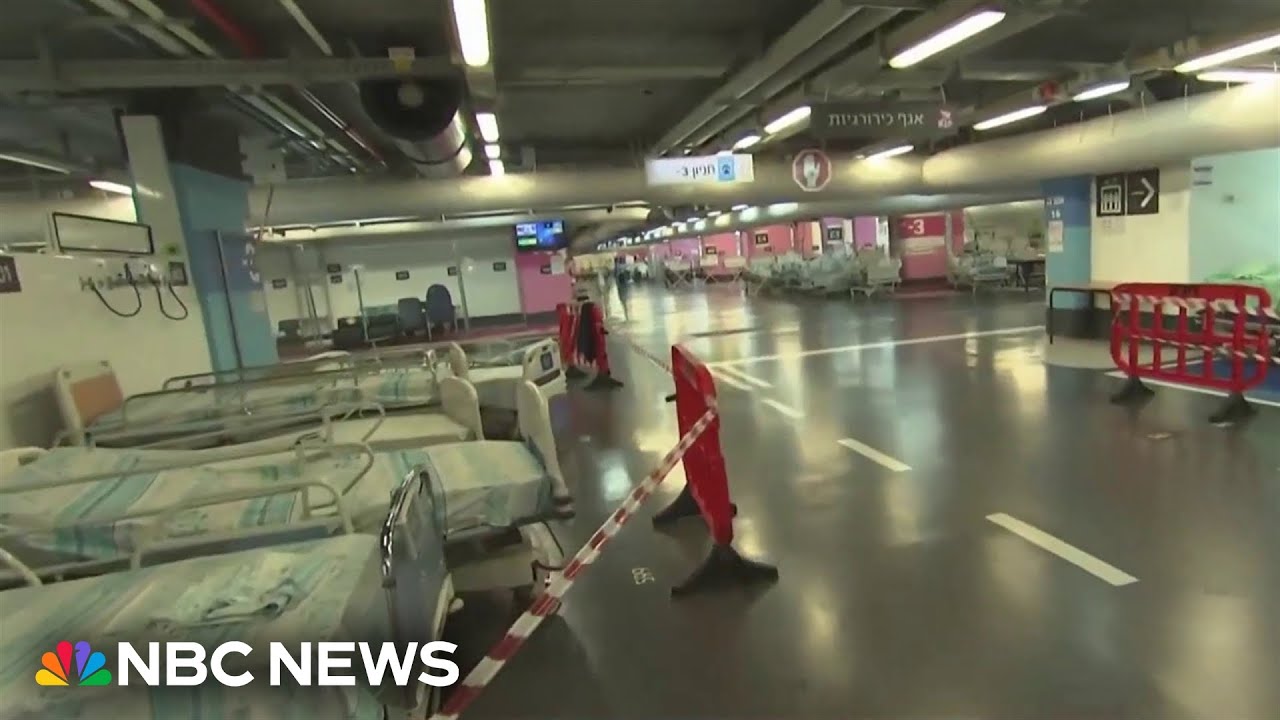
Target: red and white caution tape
point(1217, 350)
point(1195, 304)
point(663, 364)
point(547, 604)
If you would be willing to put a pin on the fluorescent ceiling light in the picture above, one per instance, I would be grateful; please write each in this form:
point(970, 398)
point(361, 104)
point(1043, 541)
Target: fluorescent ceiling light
point(951, 35)
point(35, 162)
point(714, 213)
point(750, 213)
point(891, 152)
point(1012, 117)
point(472, 21)
point(1239, 76)
point(738, 208)
point(1231, 54)
point(700, 225)
point(746, 141)
point(798, 115)
point(488, 123)
point(111, 187)
point(493, 152)
point(723, 220)
point(693, 219)
point(783, 208)
point(1103, 90)
point(496, 168)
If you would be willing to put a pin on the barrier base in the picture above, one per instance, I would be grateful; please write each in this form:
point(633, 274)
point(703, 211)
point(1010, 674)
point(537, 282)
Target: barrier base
point(573, 372)
point(603, 382)
point(682, 507)
point(1234, 409)
point(1134, 390)
point(724, 568)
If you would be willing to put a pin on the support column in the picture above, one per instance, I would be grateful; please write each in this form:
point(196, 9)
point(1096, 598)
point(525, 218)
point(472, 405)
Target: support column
point(198, 209)
point(1068, 209)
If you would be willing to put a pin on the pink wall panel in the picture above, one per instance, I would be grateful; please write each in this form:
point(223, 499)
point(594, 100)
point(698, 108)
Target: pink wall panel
point(724, 243)
point(864, 232)
point(919, 240)
point(540, 292)
point(686, 247)
point(776, 240)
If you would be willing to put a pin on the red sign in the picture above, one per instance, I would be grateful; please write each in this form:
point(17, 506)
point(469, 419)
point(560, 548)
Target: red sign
point(913, 226)
point(811, 169)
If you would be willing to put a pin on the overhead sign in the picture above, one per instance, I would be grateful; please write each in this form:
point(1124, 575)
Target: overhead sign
point(1132, 193)
point(811, 169)
point(904, 120)
point(702, 170)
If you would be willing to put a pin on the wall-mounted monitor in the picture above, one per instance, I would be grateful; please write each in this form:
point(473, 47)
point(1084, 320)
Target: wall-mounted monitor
point(81, 234)
point(541, 235)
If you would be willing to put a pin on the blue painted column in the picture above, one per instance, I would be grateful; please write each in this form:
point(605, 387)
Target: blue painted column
point(1068, 213)
point(201, 215)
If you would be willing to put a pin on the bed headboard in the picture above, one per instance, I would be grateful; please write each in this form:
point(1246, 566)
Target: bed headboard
point(461, 403)
point(534, 419)
point(85, 393)
point(457, 360)
point(541, 362)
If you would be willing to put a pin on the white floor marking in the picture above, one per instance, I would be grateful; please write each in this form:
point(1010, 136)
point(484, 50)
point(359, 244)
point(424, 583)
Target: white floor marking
point(1191, 388)
point(728, 380)
point(884, 344)
point(739, 375)
point(874, 455)
point(1081, 559)
point(787, 410)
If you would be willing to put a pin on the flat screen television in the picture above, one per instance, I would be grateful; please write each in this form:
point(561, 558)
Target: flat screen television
point(541, 235)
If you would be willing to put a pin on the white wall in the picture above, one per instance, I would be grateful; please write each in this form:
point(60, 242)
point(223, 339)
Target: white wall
point(1010, 229)
point(27, 221)
point(52, 322)
point(1147, 248)
point(489, 292)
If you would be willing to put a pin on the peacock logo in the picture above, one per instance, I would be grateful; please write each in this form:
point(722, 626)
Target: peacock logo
point(91, 667)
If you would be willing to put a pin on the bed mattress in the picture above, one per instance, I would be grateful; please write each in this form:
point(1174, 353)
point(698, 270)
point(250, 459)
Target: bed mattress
point(325, 590)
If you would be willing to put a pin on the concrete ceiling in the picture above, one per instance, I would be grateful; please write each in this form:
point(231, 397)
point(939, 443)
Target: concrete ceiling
point(580, 83)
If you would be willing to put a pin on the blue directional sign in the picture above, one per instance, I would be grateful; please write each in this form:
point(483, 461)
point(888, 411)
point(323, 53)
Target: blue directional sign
point(726, 168)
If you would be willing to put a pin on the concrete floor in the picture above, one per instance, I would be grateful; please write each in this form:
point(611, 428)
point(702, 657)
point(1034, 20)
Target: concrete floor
point(901, 462)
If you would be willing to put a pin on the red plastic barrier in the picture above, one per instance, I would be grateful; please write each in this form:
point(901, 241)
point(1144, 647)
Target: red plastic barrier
point(602, 345)
point(567, 318)
point(704, 462)
point(1183, 326)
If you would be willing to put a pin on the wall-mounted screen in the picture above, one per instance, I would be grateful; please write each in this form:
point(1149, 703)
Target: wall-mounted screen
point(78, 233)
point(541, 235)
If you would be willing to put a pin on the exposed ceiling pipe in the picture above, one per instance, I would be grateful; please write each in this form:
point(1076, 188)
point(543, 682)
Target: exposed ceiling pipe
point(827, 30)
point(249, 47)
point(178, 40)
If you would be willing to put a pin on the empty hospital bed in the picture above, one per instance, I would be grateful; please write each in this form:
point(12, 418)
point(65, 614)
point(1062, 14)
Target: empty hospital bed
point(81, 509)
point(353, 588)
point(94, 406)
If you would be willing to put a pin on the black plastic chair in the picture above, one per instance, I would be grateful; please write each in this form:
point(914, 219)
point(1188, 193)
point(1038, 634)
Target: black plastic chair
point(440, 310)
point(413, 317)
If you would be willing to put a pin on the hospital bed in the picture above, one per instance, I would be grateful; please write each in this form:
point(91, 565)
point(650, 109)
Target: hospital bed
point(496, 384)
point(879, 273)
point(94, 407)
point(977, 269)
point(363, 362)
point(354, 588)
point(82, 509)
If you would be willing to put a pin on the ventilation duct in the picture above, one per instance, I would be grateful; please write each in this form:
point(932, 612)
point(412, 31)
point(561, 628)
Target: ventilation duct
point(420, 117)
point(1235, 120)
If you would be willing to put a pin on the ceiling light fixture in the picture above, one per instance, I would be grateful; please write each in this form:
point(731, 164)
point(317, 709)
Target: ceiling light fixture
point(1239, 76)
point(488, 124)
point(493, 152)
point(36, 162)
point(794, 117)
point(111, 187)
point(739, 208)
point(496, 168)
point(950, 36)
point(1102, 90)
point(472, 22)
point(891, 152)
point(1011, 117)
point(1231, 54)
point(746, 141)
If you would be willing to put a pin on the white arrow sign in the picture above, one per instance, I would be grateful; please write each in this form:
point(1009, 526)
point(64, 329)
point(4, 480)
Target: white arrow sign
point(1150, 195)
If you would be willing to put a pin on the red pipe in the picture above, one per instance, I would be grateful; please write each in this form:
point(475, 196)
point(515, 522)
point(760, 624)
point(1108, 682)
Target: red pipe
point(250, 48)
